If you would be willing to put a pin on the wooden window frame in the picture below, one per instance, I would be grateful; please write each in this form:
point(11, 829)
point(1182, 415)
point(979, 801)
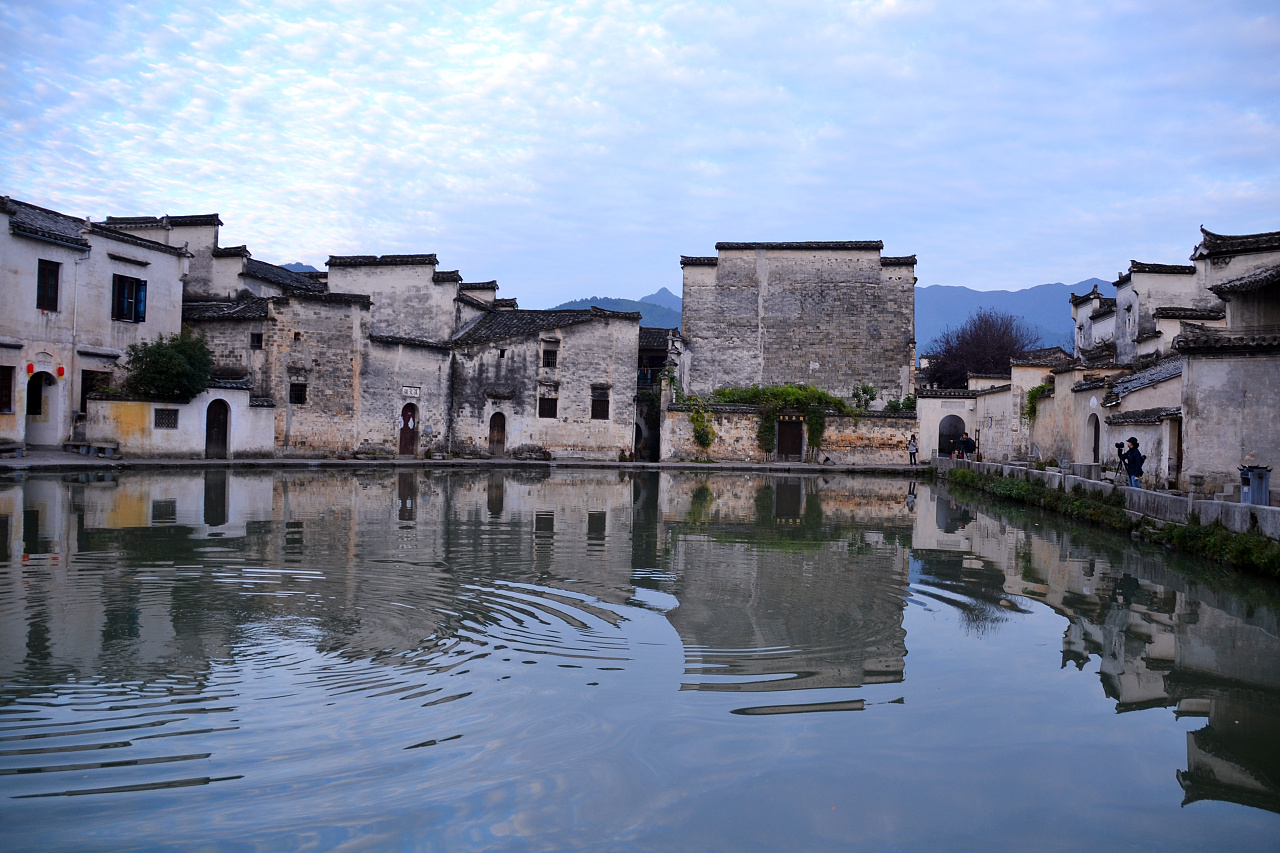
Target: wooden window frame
point(48, 276)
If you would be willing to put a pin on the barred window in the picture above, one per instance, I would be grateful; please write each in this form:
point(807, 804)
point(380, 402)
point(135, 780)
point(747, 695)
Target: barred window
point(599, 404)
point(547, 407)
point(255, 340)
point(550, 357)
point(297, 392)
point(166, 418)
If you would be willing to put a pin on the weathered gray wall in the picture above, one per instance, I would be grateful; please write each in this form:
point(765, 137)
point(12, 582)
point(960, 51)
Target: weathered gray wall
point(833, 318)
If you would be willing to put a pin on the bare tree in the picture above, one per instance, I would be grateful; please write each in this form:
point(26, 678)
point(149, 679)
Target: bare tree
point(984, 344)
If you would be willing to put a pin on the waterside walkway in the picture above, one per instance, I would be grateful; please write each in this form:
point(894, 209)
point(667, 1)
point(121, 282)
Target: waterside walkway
point(56, 461)
point(1159, 507)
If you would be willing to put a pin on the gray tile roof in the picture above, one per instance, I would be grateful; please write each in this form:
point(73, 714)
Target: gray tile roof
point(162, 221)
point(1255, 280)
point(383, 261)
point(500, 325)
point(444, 276)
point(1175, 313)
point(1196, 338)
point(288, 279)
point(655, 338)
point(31, 221)
point(467, 299)
point(687, 261)
point(1216, 245)
point(478, 285)
point(1161, 371)
point(902, 261)
point(1158, 269)
point(400, 340)
point(837, 246)
point(1144, 416)
point(1106, 306)
point(231, 252)
point(506, 304)
point(248, 309)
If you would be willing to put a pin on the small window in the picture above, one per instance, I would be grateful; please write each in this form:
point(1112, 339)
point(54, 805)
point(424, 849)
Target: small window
point(47, 276)
point(164, 511)
point(297, 336)
point(6, 390)
point(128, 299)
point(166, 418)
point(255, 340)
point(547, 407)
point(297, 393)
point(549, 357)
point(599, 404)
point(502, 353)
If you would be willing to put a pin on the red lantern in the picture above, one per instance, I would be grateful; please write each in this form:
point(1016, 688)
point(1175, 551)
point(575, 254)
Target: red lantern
point(31, 368)
point(61, 371)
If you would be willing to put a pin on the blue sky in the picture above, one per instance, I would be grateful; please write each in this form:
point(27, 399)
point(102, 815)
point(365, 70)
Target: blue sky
point(578, 148)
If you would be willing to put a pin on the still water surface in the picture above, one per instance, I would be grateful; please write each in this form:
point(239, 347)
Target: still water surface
point(393, 660)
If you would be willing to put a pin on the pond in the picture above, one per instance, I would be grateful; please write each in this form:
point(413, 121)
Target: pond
point(392, 659)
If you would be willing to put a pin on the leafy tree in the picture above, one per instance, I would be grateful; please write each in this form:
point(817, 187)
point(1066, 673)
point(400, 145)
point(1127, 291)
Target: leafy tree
point(984, 344)
point(169, 368)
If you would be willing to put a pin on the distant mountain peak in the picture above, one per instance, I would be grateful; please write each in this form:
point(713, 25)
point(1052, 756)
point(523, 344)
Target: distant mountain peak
point(299, 266)
point(665, 298)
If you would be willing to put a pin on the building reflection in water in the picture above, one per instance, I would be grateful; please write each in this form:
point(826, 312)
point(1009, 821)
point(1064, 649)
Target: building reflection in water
point(771, 583)
point(1161, 641)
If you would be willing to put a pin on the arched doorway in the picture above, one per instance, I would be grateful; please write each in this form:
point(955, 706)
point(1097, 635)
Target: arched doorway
point(950, 428)
point(1095, 438)
point(44, 414)
point(217, 430)
point(409, 430)
point(498, 434)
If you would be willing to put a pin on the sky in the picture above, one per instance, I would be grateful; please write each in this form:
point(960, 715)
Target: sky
point(572, 149)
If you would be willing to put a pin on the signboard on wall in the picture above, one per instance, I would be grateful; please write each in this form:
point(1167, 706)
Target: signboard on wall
point(410, 391)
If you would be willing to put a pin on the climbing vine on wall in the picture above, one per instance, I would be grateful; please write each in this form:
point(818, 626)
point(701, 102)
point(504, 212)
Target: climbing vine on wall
point(811, 402)
point(1034, 395)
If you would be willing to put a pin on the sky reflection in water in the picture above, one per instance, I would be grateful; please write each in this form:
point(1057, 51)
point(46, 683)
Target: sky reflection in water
point(584, 660)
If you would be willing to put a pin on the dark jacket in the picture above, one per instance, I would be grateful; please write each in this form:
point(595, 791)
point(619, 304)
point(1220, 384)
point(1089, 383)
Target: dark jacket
point(1132, 459)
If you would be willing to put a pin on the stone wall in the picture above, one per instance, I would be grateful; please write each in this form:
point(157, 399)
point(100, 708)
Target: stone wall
point(1229, 416)
point(407, 301)
point(825, 316)
point(395, 375)
point(873, 439)
point(506, 377)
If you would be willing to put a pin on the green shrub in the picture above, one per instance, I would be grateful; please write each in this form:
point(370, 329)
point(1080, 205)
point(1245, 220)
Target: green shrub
point(174, 368)
point(806, 400)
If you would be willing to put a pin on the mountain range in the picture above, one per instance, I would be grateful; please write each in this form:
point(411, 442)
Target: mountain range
point(1045, 308)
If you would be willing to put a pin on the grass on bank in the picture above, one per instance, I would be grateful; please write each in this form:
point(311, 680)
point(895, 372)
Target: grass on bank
point(1250, 551)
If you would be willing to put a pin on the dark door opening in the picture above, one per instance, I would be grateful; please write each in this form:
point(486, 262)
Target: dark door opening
point(498, 434)
point(215, 497)
point(409, 430)
point(1095, 428)
point(217, 421)
point(790, 441)
point(950, 429)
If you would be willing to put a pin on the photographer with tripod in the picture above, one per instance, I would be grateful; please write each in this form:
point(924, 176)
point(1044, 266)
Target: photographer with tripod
point(1132, 460)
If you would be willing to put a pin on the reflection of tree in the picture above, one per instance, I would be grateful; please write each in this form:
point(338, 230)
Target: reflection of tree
point(976, 592)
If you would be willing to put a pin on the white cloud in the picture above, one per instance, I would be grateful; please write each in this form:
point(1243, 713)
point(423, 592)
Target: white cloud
point(571, 148)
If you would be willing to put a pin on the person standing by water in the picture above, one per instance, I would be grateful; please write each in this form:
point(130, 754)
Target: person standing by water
point(1132, 460)
point(912, 447)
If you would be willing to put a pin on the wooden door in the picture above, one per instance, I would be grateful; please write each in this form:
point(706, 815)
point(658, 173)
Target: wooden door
point(790, 441)
point(217, 421)
point(498, 434)
point(409, 430)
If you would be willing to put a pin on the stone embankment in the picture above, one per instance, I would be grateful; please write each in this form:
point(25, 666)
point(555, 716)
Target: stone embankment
point(42, 461)
point(1159, 508)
